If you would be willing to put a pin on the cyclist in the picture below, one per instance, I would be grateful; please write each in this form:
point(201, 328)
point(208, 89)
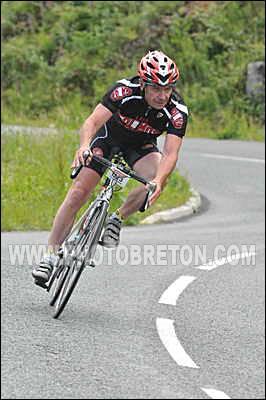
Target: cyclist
point(131, 115)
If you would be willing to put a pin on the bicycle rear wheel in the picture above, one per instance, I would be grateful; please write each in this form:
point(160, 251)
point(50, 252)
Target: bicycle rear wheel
point(73, 271)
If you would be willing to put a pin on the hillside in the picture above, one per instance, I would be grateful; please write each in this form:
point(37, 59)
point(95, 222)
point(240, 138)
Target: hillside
point(59, 58)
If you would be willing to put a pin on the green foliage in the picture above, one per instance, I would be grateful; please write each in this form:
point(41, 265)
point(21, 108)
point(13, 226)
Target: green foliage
point(73, 51)
point(36, 180)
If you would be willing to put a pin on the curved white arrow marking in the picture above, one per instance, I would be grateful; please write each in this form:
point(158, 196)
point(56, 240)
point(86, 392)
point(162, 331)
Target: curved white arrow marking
point(165, 328)
point(171, 294)
point(215, 394)
point(224, 260)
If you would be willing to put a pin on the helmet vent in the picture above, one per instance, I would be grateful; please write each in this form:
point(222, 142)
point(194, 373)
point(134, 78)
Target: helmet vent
point(150, 65)
point(163, 78)
point(156, 68)
point(147, 75)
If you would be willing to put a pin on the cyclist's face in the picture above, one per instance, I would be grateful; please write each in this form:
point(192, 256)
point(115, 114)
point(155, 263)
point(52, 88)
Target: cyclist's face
point(157, 96)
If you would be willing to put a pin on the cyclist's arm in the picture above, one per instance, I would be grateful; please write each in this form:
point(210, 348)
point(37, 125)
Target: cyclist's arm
point(169, 159)
point(170, 156)
point(93, 123)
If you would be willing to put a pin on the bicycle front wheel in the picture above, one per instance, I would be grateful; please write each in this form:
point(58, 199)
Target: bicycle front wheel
point(57, 283)
point(70, 274)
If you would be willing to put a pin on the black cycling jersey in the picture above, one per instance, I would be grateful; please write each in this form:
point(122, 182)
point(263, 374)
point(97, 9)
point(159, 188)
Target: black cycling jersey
point(135, 122)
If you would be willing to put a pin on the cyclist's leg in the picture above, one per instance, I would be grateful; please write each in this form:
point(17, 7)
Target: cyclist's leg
point(76, 197)
point(80, 190)
point(145, 161)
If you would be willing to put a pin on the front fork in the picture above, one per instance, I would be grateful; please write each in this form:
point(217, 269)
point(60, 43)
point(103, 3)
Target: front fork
point(105, 196)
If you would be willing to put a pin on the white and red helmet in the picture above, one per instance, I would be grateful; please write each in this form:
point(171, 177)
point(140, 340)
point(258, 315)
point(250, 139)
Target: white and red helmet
point(155, 68)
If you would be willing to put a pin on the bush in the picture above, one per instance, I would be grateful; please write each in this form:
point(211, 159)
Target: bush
point(80, 49)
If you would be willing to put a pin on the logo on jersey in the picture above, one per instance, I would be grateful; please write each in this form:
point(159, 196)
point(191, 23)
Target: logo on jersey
point(120, 92)
point(177, 118)
point(159, 115)
point(139, 124)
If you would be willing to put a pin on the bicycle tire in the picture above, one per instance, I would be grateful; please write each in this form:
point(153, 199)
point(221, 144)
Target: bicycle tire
point(58, 278)
point(58, 281)
point(74, 273)
point(67, 288)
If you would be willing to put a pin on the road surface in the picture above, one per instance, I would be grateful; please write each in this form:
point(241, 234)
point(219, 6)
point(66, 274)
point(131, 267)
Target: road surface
point(177, 312)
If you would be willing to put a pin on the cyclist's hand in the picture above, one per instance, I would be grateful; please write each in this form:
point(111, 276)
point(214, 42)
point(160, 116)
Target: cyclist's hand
point(156, 193)
point(79, 157)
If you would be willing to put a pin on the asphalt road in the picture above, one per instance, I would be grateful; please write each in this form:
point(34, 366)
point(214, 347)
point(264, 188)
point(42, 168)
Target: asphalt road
point(154, 320)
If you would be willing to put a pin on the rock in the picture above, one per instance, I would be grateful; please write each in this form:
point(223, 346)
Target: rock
point(255, 85)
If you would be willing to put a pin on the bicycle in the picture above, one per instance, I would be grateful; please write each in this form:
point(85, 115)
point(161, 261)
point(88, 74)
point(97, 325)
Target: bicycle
point(79, 247)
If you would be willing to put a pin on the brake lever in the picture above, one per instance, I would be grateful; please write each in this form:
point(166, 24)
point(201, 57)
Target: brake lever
point(152, 187)
point(76, 171)
point(151, 190)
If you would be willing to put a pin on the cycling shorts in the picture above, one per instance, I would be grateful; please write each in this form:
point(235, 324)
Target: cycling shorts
point(132, 153)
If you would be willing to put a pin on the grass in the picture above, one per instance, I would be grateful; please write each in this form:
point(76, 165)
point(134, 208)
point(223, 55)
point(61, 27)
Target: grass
point(222, 125)
point(225, 126)
point(59, 61)
point(35, 180)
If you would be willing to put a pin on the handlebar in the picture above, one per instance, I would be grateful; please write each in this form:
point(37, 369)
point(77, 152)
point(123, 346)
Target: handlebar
point(129, 172)
point(109, 164)
point(76, 171)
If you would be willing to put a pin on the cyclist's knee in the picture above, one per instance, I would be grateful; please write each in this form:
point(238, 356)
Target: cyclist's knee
point(149, 174)
point(148, 165)
point(97, 151)
point(77, 196)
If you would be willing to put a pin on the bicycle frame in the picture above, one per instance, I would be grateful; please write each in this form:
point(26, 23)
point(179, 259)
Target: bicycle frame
point(87, 231)
point(117, 177)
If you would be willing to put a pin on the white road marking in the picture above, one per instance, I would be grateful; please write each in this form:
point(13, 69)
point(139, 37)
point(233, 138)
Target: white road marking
point(165, 328)
point(224, 260)
point(257, 160)
point(171, 294)
point(215, 394)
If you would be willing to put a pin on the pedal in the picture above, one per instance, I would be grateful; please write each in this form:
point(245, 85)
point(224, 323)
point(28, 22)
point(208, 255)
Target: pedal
point(41, 284)
point(60, 252)
point(91, 263)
